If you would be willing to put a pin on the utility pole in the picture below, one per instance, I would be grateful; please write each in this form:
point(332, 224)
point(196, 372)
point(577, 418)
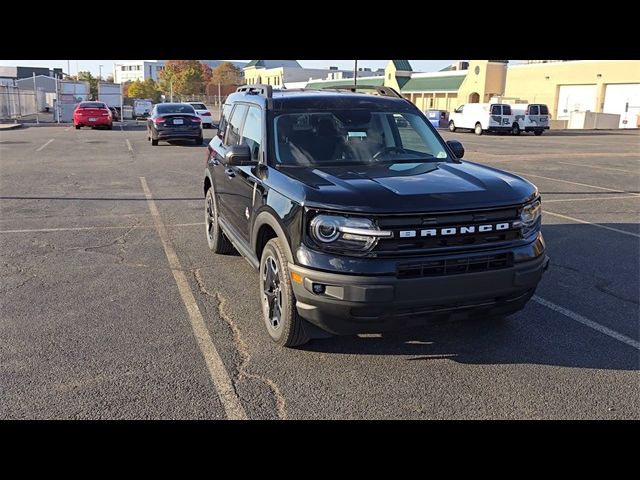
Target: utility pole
point(171, 89)
point(100, 74)
point(355, 74)
point(219, 103)
point(35, 97)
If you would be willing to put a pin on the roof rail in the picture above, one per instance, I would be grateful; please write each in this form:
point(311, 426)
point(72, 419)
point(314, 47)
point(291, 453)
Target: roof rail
point(258, 88)
point(385, 91)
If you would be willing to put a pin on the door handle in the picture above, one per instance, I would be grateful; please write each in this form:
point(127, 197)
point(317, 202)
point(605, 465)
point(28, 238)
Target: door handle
point(230, 172)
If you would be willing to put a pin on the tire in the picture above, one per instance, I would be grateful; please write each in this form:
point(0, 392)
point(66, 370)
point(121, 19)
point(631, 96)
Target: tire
point(110, 127)
point(77, 127)
point(199, 140)
point(452, 126)
point(216, 240)
point(515, 129)
point(284, 325)
point(478, 129)
point(537, 133)
point(154, 142)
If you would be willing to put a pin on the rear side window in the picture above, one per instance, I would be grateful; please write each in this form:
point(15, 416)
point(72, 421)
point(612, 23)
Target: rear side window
point(233, 131)
point(544, 110)
point(506, 109)
point(533, 110)
point(252, 132)
point(224, 120)
point(199, 106)
point(496, 110)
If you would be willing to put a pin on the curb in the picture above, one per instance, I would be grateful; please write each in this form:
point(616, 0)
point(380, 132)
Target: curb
point(11, 126)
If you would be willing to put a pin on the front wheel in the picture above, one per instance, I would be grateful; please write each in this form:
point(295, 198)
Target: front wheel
point(452, 126)
point(216, 240)
point(515, 130)
point(478, 129)
point(284, 325)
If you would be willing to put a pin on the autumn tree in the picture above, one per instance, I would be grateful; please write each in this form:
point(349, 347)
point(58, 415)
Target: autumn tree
point(226, 74)
point(125, 88)
point(147, 89)
point(185, 77)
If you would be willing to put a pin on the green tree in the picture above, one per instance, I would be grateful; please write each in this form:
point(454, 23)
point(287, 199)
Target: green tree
point(93, 83)
point(186, 77)
point(226, 74)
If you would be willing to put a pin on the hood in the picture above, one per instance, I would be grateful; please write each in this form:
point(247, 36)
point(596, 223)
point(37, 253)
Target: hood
point(412, 187)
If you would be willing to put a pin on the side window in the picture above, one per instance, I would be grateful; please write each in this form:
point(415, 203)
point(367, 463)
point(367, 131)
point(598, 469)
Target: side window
point(252, 132)
point(533, 110)
point(544, 110)
point(233, 130)
point(496, 110)
point(506, 109)
point(224, 121)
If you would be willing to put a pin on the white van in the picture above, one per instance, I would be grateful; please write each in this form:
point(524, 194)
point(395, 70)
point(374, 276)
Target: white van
point(482, 117)
point(530, 117)
point(142, 108)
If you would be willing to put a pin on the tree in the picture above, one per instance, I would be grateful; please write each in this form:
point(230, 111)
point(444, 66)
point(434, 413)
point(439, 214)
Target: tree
point(93, 83)
point(226, 74)
point(185, 77)
point(146, 89)
point(125, 88)
point(109, 79)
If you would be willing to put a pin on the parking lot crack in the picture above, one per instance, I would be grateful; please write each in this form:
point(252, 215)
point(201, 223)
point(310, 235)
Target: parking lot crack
point(241, 347)
point(120, 241)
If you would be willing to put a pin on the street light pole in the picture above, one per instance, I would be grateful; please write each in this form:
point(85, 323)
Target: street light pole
point(355, 74)
point(100, 74)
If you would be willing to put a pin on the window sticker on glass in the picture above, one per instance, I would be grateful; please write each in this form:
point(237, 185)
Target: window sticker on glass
point(441, 155)
point(357, 134)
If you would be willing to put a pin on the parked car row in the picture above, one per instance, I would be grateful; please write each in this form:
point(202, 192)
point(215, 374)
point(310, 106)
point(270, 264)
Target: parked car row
point(501, 117)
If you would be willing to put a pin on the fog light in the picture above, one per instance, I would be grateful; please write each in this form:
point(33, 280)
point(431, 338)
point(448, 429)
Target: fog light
point(318, 288)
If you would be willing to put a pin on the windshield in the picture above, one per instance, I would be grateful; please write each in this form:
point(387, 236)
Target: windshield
point(176, 108)
point(354, 137)
point(92, 105)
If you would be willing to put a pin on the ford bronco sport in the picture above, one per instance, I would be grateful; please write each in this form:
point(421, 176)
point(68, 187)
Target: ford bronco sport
point(359, 218)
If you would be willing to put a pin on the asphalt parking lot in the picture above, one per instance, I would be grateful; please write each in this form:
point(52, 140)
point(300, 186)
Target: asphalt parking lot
point(96, 322)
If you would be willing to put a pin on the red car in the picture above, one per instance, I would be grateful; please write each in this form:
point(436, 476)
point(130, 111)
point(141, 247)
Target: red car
point(92, 114)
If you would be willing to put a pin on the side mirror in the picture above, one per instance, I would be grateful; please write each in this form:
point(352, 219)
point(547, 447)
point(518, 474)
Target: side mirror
point(456, 147)
point(238, 155)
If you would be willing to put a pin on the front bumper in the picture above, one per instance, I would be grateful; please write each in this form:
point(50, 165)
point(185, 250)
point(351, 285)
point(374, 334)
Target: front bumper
point(361, 304)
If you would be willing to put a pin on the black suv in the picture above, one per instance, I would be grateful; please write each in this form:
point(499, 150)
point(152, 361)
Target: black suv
point(360, 218)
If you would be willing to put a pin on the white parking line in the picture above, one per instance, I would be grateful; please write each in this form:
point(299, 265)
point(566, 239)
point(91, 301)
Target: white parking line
point(631, 195)
point(601, 168)
point(74, 229)
point(589, 323)
point(68, 128)
point(591, 223)
point(573, 183)
point(129, 145)
point(40, 149)
point(221, 380)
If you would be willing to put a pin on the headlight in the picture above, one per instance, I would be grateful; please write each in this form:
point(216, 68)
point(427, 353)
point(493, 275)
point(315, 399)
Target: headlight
point(530, 216)
point(338, 233)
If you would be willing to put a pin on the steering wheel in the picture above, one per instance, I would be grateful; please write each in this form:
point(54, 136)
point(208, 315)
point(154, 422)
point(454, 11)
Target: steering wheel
point(388, 150)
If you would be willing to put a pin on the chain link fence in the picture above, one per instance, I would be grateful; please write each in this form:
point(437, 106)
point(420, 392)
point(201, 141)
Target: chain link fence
point(16, 103)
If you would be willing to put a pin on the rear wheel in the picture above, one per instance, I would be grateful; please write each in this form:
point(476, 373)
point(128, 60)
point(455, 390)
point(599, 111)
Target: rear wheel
point(515, 130)
point(77, 127)
point(537, 133)
point(452, 126)
point(154, 141)
point(110, 127)
point(215, 238)
point(199, 140)
point(478, 129)
point(284, 325)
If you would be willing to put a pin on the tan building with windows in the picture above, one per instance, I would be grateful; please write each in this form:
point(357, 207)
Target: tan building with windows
point(607, 86)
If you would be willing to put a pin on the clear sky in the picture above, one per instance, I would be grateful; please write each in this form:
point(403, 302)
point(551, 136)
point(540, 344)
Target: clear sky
point(107, 65)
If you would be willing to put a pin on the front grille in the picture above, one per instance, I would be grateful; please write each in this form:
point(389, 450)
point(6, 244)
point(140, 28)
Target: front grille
point(414, 225)
point(454, 266)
